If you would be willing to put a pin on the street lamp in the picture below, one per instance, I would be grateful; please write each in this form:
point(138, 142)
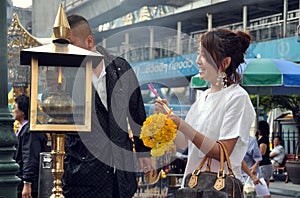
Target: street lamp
point(66, 110)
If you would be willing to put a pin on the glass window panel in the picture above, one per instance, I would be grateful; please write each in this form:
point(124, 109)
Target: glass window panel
point(61, 95)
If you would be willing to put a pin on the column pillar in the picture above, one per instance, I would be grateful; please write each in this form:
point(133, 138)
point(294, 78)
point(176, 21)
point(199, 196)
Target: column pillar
point(209, 21)
point(245, 13)
point(151, 43)
point(8, 167)
point(178, 47)
point(285, 9)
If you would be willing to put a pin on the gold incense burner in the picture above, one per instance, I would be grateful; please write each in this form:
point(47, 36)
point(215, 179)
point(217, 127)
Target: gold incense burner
point(59, 107)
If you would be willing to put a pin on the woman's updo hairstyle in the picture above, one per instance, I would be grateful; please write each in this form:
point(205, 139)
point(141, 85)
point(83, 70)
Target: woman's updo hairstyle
point(221, 43)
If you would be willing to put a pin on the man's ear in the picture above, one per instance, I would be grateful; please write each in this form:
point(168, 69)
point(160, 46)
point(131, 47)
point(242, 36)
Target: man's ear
point(90, 41)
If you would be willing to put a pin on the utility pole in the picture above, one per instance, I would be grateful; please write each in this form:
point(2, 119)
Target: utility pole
point(8, 167)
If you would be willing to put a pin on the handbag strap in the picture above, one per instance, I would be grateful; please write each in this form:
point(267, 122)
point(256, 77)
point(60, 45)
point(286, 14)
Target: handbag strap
point(226, 157)
point(223, 157)
point(209, 159)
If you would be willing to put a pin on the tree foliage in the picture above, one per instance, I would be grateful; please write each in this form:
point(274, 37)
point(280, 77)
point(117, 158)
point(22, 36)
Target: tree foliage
point(287, 102)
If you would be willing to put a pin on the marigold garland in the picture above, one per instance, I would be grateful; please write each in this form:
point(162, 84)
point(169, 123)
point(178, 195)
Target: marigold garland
point(158, 133)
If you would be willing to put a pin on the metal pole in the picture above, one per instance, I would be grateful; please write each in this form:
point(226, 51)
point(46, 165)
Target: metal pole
point(257, 109)
point(299, 13)
point(209, 22)
point(298, 26)
point(178, 47)
point(126, 50)
point(8, 167)
point(151, 42)
point(285, 8)
point(245, 13)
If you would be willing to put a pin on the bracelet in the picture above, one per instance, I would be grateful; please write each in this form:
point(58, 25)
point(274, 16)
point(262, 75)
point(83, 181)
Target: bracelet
point(25, 182)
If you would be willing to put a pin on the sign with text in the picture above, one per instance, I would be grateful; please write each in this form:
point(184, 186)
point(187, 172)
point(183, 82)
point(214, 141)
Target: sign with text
point(173, 67)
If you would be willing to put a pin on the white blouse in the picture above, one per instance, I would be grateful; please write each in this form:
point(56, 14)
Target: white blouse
point(222, 115)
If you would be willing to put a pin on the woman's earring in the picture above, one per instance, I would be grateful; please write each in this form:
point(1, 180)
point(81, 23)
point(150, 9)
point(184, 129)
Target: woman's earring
point(225, 80)
point(222, 80)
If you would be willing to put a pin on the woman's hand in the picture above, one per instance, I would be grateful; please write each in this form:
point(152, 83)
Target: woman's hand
point(176, 119)
point(159, 106)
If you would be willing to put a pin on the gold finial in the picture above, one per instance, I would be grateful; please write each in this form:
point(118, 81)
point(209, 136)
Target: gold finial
point(61, 26)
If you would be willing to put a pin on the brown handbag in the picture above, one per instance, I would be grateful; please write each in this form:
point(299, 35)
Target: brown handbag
point(208, 184)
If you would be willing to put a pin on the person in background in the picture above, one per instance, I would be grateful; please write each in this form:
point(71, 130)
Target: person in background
point(277, 154)
point(223, 112)
point(252, 159)
point(28, 149)
point(265, 165)
point(102, 163)
point(247, 171)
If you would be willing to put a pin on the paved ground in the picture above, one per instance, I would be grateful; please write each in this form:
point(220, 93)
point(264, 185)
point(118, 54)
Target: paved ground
point(280, 196)
point(280, 189)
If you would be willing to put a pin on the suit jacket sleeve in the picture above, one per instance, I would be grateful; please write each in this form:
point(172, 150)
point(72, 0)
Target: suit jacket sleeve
point(136, 112)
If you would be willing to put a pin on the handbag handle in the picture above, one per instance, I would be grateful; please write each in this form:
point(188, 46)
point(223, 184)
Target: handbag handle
point(209, 159)
point(229, 167)
point(223, 151)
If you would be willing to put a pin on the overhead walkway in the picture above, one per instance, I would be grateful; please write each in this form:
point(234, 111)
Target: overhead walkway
point(99, 12)
point(191, 13)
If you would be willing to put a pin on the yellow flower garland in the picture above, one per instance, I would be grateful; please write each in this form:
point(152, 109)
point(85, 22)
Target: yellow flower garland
point(158, 133)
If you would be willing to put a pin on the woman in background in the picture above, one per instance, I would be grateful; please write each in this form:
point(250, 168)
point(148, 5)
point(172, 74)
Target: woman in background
point(265, 165)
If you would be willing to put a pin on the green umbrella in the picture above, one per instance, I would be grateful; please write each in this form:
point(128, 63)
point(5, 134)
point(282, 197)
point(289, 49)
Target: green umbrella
point(197, 83)
point(264, 76)
point(271, 76)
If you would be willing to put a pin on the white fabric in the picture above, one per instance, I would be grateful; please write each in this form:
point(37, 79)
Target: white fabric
point(100, 85)
point(222, 115)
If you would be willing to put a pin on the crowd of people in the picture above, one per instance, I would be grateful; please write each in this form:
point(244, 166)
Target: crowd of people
point(102, 163)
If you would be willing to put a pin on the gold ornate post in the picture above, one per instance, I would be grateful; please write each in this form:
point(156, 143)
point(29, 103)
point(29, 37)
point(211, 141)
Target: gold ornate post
point(58, 153)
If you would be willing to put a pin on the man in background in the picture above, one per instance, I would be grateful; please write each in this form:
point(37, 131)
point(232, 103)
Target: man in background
point(277, 154)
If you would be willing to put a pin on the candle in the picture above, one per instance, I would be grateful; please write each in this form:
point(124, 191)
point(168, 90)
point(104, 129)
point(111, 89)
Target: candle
point(59, 76)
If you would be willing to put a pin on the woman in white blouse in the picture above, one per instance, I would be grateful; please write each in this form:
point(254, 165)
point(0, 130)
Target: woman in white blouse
point(223, 112)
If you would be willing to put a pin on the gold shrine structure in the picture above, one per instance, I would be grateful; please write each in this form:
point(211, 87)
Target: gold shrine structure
point(67, 112)
point(18, 38)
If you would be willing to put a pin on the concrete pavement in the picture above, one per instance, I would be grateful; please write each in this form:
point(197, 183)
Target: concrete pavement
point(284, 189)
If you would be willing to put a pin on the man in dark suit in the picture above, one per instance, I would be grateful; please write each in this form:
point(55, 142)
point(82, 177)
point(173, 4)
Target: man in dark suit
point(102, 163)
point(28, 150)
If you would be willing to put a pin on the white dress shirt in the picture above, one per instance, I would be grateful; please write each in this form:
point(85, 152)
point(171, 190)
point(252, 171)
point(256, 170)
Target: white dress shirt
point(100, 85)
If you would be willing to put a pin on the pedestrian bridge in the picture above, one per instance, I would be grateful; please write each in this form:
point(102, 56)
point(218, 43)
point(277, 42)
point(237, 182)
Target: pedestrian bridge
point(98, 12)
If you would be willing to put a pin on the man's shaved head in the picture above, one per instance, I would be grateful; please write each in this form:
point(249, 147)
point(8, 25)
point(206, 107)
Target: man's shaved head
point(81, 34)
point(79, 26)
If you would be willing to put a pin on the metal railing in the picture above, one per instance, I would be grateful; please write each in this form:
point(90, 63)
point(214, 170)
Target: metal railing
point(262, 29)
